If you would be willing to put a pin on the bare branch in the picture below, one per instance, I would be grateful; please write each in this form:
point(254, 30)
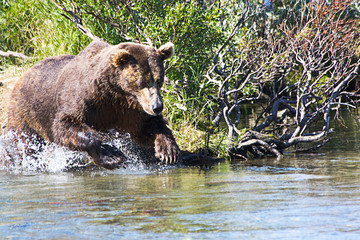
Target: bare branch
point(255, 142)
point(316, 45)
point(138, 29)
point(14, 54)
point(75, 17)
point(116, 26)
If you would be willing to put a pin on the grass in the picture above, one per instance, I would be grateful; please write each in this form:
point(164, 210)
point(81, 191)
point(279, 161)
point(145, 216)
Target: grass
point(191, 127)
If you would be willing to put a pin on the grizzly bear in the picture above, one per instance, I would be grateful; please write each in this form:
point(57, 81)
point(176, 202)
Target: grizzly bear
point(73, 100)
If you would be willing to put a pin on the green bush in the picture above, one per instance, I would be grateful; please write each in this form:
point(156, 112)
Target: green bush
point(36, 29)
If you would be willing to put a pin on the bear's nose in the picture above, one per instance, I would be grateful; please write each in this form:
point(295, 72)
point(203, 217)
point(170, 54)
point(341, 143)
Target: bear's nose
point(157, 107)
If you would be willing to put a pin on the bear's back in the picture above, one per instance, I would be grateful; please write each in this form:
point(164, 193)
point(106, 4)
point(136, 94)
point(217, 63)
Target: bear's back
point(33, 100)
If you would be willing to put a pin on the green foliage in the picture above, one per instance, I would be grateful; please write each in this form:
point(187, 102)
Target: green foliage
point(16, 23)
point(193, 28)
point(36, 29)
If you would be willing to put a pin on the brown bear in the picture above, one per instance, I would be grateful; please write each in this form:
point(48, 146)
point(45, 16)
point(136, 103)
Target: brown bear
point(74, 100)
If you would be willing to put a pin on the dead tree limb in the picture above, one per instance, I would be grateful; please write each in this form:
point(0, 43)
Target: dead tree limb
point(93, 12)
point(315, 49)
point(14, 54)
point(75, 16)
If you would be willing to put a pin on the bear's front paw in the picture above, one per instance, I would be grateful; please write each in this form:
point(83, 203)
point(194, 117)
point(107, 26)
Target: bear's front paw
point(109, 157)
point(166, 149)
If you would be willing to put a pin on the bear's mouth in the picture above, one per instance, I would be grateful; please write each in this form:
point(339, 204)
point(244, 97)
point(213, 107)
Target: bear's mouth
point(151, 112)
point(151, 101)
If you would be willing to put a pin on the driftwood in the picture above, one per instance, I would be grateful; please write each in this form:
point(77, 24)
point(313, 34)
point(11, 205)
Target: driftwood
point(14, 54)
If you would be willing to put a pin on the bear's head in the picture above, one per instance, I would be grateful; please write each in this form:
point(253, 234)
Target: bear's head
point(141, 73)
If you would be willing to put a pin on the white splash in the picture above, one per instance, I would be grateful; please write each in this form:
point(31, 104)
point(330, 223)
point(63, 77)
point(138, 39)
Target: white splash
point(32, 155)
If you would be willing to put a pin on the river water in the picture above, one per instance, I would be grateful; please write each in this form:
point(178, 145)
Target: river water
point(302, 196)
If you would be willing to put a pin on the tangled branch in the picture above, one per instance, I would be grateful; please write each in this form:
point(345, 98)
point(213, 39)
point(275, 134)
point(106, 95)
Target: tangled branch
point(300, 74)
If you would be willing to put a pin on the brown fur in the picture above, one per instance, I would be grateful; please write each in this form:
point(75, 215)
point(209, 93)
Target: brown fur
point(72, 100)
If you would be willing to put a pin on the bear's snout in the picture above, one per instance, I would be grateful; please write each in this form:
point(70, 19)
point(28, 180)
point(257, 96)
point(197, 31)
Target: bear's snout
point(156, 102)
point(157, 106)
point(151, 101)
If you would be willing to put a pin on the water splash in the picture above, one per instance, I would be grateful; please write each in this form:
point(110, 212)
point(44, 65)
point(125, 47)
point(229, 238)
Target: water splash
point(29, 154)
point(137, 159)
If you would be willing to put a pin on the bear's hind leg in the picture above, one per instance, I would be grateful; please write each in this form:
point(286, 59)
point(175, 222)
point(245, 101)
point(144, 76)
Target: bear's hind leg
point(78, 136)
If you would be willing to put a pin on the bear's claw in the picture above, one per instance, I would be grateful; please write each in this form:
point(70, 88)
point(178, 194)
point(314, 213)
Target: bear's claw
point(167, 150)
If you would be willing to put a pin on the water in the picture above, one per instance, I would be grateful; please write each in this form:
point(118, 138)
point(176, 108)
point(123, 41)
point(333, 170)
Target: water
point(303, 196)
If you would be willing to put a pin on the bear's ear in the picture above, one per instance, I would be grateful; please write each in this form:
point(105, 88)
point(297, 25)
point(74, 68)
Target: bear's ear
point(167, 50)
point(121, 57)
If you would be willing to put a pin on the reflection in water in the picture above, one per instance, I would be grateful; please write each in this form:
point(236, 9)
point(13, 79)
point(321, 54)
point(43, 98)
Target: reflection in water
point(298, 197)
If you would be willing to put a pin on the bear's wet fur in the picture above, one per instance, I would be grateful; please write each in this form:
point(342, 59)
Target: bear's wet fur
point(74, 100)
